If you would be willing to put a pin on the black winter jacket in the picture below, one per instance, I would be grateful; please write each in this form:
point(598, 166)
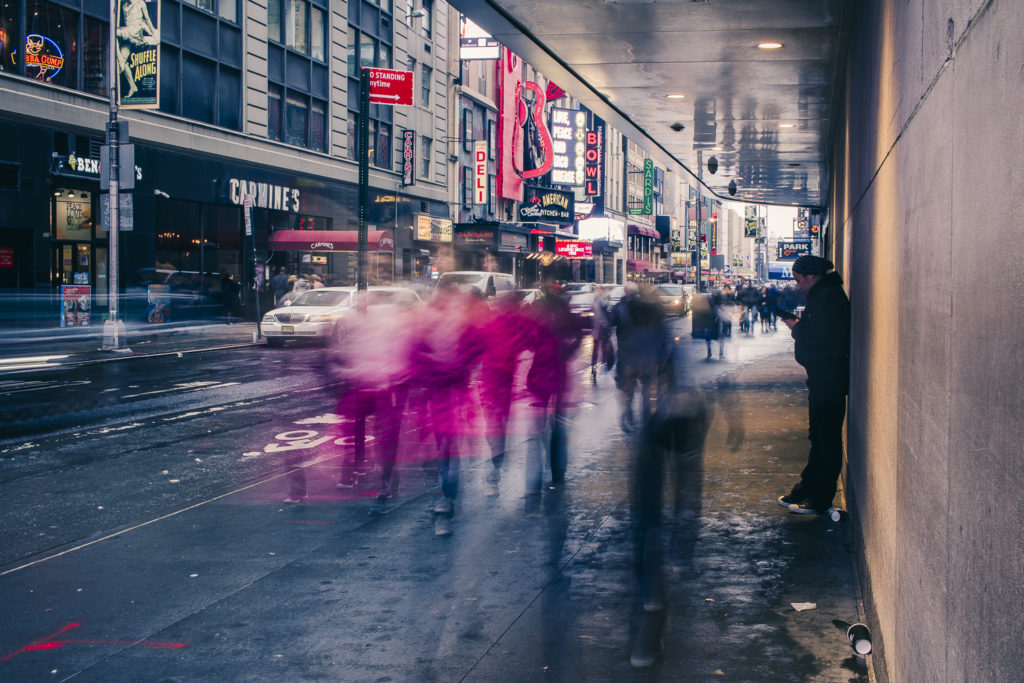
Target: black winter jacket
point(823, 334)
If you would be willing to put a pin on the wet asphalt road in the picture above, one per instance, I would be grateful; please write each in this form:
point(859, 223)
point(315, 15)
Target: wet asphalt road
point(148, 541)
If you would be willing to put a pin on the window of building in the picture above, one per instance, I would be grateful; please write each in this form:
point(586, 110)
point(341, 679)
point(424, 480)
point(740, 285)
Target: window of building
point(370, 45)
point(425, 145)
point(425, 78)
point(467, 187)
point(428, 16)
point(201, 61)
point(467, 129)
point(297, 72)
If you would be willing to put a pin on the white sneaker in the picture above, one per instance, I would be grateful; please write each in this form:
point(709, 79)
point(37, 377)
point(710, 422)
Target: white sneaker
point(442, 526)
point(444, 506)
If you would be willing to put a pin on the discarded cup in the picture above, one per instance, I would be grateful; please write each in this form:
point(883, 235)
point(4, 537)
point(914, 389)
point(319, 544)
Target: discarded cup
point(838, 514)
point(860, 639)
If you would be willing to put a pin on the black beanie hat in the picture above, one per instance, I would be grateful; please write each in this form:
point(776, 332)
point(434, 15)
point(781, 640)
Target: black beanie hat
point(812, 265)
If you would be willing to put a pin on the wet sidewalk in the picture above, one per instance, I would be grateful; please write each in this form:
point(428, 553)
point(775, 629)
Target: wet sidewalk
point(242, 587)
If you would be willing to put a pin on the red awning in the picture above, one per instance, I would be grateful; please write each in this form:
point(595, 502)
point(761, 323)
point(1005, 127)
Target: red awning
point(642, 230)
point(638, 266)
point(330, 240)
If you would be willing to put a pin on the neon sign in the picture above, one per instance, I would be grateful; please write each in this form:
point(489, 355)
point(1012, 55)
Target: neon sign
point(43, 56)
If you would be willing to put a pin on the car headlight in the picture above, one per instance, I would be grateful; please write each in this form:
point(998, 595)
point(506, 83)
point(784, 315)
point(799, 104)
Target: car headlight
point(320, 319)
point(676, 302)
point(268, 318)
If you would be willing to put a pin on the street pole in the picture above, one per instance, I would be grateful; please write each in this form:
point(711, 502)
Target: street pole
point(364, 175)
point(700, 200)
point(113, 328)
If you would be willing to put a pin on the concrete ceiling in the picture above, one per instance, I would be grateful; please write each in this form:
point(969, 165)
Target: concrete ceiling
point(763, 114)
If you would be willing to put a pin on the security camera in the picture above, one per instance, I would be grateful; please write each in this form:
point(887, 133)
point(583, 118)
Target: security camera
point(677, 126)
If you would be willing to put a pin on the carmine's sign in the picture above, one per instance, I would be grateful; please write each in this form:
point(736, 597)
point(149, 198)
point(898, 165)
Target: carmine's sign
point(408, 157)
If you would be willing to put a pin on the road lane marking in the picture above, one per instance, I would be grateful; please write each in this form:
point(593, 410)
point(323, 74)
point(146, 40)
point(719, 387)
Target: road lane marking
point(184, 386)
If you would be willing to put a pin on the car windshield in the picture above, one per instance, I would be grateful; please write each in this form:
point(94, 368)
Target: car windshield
point(317, 297)
point(463, 278)
point(670, 290)
point(583, 299)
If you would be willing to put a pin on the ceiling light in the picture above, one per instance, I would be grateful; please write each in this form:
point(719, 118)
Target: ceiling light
point(785, 125)
point(716, 149)
point(769, 46)
point(675, 96)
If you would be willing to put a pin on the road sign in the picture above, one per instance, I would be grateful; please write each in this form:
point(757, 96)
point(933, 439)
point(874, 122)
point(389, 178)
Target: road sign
point(388, 86)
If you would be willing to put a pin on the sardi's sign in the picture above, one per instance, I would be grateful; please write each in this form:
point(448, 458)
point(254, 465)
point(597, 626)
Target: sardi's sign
point(138, 54)
point(265, 195)
point(542, 203)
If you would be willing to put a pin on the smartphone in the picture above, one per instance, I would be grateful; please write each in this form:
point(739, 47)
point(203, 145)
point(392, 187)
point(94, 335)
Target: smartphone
point(784, 314)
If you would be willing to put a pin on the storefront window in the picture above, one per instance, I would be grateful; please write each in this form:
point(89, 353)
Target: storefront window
point(51, 44)
point(73, 214)
point(95, 57)
point(8, 34)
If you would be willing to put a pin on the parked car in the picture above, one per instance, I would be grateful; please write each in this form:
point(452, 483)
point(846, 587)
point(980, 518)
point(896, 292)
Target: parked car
point(530, 295)
point(488, 284)
point(674, 299)
point(317, 314)
point(579, 287)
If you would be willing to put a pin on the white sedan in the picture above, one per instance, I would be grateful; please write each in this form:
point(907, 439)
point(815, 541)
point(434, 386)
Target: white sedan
point(318, 313)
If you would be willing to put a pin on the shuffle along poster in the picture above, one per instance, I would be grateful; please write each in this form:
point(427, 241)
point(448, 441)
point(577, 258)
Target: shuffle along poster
point(138, 54)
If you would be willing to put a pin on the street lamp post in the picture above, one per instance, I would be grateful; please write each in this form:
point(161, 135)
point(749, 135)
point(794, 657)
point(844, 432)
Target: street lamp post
point(113, 328)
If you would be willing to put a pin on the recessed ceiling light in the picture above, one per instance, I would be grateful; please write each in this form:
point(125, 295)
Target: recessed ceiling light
point(769, 46)
point(785, 125)
point(716, 149)
point(675, 96)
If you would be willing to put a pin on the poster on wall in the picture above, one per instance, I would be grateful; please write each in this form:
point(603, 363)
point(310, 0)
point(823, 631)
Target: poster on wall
point(750, 221)
point(138, 54)
point(74, 215)
point(75, 305)
point(510, 138)
point(159, 310)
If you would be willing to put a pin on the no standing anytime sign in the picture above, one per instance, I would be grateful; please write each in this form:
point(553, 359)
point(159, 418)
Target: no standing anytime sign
point(388, 86)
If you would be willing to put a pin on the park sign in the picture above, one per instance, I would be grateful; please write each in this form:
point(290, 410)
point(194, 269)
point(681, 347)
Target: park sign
point(388, 86)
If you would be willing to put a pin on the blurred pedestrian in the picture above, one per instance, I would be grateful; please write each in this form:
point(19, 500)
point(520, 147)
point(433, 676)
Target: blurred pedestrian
point(601, 332)
point(372, 394)
point(555, 335)
point(228, 295)
point(279, 285)
point(643, 343)
point(708, 321)
point(822, 334)
point(444, 355)
point(504, 340)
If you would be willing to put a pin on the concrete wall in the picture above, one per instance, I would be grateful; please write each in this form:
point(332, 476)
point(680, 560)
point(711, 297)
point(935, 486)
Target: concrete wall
point(927, 198)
